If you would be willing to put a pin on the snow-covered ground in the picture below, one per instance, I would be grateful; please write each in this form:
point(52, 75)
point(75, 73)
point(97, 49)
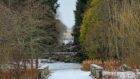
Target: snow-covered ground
point(62, 66)
point(70, 74)
point(121, 75)
point(61, 70)
point(67, 71)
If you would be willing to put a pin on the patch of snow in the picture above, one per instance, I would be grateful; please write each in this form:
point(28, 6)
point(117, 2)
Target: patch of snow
point(62, 66)
point(96, 66)
point(121, 75)
point(43, 66)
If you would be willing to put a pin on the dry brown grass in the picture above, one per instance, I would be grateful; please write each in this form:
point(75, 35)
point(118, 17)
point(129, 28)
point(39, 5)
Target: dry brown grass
point(30, 73)
point(109, 65)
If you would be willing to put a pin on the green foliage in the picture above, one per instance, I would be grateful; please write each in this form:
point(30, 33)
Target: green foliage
point(93, 22)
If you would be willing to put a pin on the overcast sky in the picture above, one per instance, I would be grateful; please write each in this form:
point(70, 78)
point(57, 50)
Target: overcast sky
point(65, 12)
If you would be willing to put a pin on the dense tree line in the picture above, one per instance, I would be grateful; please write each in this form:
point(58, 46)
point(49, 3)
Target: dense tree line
point(110, 30)
point(79, 12)
point(28, 28)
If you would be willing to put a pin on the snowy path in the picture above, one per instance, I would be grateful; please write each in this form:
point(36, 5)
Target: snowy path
point(68, 71)
point(70, 74)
